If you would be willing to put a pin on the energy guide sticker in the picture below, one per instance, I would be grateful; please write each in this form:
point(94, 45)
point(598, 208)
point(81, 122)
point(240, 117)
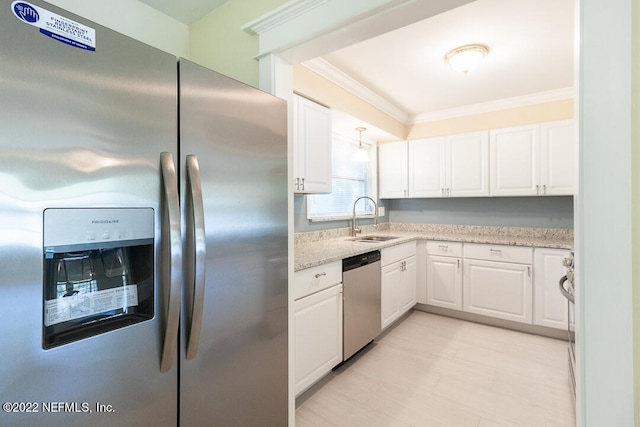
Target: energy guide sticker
point(55, 26)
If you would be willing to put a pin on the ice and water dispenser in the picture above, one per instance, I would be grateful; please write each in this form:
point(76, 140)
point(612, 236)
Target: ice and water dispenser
point(98, 271)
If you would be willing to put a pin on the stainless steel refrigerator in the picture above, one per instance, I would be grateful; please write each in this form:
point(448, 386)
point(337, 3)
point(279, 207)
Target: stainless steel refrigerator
point(143, 233)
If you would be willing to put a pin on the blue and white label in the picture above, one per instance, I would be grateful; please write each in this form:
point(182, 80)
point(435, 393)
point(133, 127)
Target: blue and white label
point(55, 26)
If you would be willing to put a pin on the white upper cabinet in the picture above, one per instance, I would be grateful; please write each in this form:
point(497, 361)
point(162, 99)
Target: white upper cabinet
point(557, 158)
point(427, 163)
point(451, 166)
point(311, 147)
point(392, 170)
point(533, 160)
point(468, 165)
point(515, 161)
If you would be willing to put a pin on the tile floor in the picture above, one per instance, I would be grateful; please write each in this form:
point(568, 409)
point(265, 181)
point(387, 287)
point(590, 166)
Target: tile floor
point(430, 370)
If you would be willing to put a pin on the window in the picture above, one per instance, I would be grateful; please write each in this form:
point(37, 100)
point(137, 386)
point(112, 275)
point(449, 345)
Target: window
point(350, 180)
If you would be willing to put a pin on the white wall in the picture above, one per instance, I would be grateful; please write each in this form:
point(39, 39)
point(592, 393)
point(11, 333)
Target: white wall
point(134, 19)
point(603, 216)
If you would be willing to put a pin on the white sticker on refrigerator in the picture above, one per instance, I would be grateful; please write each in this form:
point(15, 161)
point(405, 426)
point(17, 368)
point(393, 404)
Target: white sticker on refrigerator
point(86, 304)
point(55, 26)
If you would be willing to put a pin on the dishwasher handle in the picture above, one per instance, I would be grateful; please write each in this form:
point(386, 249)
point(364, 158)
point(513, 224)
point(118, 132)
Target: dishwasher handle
point(360, 260)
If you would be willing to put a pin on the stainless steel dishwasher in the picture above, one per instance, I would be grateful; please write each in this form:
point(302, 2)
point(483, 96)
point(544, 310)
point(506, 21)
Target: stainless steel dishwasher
point(361, 305)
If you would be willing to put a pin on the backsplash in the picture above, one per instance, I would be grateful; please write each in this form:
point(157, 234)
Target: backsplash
point(535, 212)
point(529, 212)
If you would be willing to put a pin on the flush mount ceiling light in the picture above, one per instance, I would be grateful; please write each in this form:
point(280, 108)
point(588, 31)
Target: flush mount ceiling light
point(360, 154)
point(465, 58)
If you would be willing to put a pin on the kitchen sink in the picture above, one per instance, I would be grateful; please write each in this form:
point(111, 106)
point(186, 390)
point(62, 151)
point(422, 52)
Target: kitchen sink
point(373, 239)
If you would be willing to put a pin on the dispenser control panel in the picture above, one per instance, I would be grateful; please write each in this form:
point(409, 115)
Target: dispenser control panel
point(73, 227)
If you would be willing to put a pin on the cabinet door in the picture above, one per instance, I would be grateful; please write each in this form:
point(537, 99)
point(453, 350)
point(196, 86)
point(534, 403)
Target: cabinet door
point(550, 308)
point(497, 289)
point(390, 305)
point(427, 167)
point(312, 147)
point(392, 170)
point(408, 284)
point(318, 335)
point(557, 159)
point(468, 165)
point(444, 282)
point(514, 163)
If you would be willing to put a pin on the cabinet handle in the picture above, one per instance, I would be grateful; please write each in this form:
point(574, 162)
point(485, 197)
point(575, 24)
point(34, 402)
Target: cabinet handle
point(458, 263)
point(529, 271)
point(544, 189)
point(302, 179)
point(442, 191)
point(448, 192)
point(444, 247)
point(405, 193)
point(496, 251)
point(537, 189)
point(319, 275)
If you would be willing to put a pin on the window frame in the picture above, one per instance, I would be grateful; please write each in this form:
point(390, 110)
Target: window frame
point(373, 184)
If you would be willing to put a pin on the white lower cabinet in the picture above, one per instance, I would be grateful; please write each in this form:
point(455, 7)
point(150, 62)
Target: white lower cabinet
point(550, 308)
point(317, 322)
point(513, 283)
point(390, 297)
point(318, 335)
point(398, 282)
point(497, 282)
point(444, 274)
point(408, 286)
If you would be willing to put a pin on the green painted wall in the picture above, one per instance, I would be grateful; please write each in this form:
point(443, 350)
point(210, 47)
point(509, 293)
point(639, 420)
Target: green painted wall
point(218, 42)
point(141, 22)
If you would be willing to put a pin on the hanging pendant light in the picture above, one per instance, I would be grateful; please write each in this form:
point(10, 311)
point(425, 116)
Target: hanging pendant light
point(360, 154)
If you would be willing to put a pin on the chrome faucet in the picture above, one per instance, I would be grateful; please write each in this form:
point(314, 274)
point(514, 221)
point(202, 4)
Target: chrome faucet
point(355, 230)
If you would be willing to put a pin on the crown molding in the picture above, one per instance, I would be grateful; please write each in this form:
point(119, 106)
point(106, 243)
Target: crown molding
point(280, 15)
point(336, 76)
point(497, 105)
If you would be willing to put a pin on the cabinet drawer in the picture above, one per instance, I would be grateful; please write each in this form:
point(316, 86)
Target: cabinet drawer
point(314, 279)
point(398, 252)
point(444, 248)
point(500, 253)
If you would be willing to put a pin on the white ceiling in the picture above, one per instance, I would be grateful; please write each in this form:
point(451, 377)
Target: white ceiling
point(403, 72)
point(531, 46)
point(185, 11)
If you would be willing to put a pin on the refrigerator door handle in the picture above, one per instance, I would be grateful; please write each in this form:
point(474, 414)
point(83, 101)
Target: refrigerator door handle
point(196, 254)
point(171, 259)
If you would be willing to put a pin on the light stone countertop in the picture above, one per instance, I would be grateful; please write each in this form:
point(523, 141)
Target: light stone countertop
point(317, 248)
